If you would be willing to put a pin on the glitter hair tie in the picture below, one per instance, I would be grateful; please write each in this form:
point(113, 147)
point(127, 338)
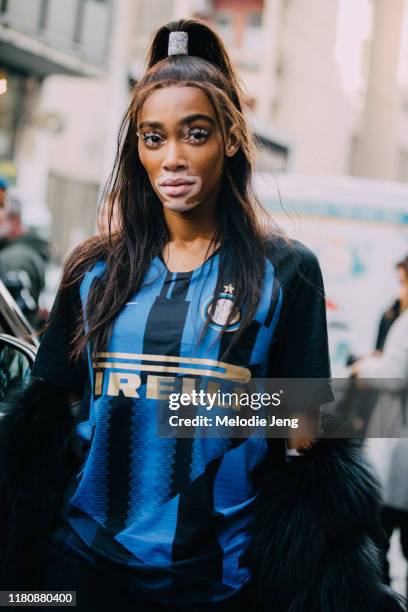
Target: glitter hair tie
point(178, 43)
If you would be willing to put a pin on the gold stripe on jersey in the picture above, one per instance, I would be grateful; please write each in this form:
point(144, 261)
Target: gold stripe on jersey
point(226, 371)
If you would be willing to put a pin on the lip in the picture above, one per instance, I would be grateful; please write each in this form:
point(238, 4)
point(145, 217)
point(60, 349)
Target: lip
point(175, 182)
point(177, 190)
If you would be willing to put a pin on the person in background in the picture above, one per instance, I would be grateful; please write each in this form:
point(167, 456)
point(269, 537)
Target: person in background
point(23, 260)
point(359, 402)
point(400, 304)
point(387, 372)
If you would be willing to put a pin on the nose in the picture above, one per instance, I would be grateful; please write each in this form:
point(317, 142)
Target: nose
point(174, 158)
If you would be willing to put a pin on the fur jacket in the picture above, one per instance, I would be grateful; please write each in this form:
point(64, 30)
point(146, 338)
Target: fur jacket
point(312, 544)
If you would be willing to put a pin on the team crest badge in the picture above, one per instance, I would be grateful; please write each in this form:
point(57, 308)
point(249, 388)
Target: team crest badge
point(223, 307)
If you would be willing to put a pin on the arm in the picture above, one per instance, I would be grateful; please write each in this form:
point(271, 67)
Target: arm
point(310, 421)
point(301, 350)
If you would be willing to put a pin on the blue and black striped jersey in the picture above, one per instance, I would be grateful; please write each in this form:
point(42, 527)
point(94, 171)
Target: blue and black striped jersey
point(169, 516)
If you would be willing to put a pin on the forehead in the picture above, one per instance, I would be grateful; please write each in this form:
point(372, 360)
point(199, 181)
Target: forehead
point(171, 104)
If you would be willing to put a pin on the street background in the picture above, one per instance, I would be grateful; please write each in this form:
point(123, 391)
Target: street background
point(328, 84)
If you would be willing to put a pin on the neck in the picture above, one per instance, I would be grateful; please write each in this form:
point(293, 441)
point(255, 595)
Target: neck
point(197, 225)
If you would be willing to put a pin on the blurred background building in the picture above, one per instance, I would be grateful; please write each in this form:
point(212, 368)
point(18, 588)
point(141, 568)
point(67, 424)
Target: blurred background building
point(39, 111)
point(328, 85)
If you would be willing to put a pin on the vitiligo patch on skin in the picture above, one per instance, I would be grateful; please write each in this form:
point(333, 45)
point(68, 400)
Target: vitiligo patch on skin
point(181, 203)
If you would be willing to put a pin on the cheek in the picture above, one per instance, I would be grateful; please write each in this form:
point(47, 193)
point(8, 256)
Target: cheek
point(145, 160)
point(210, 167)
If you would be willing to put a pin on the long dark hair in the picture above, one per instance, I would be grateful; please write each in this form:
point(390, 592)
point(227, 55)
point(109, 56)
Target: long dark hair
point(138, 212)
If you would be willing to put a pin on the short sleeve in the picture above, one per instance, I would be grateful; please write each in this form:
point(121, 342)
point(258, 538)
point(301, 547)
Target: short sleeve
point(300, 349)
point(53, 362)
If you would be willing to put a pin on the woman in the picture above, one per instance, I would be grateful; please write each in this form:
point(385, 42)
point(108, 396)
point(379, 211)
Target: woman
point(191, 284)
point(398, 306)
point(388, 373)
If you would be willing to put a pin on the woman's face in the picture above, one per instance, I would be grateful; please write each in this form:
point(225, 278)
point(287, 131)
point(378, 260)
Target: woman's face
point(180, 146)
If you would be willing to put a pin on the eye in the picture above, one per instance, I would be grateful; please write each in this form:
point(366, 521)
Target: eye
point(151, 139)
point(198, 134)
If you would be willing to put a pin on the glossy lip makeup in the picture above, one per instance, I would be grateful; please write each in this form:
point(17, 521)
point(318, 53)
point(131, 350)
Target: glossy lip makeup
point(178, 197)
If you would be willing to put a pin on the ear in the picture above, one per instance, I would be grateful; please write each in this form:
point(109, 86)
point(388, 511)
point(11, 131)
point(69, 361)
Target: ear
point(232, 144)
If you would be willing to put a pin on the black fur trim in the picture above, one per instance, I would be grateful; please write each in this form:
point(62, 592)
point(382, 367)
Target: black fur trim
point(312, 544)
point(35, 463)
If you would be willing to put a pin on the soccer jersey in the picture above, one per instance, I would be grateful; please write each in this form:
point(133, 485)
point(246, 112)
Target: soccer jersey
point(170, 515)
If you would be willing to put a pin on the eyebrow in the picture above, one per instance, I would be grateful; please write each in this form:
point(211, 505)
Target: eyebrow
point(184, 121)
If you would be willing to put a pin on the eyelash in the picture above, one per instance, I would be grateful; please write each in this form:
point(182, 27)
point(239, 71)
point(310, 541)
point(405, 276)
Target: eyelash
point(197, 131)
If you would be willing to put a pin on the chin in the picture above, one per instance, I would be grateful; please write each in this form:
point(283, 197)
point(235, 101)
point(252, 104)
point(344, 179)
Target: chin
point(180, 206)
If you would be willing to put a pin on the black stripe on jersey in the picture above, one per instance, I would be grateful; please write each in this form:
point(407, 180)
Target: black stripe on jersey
point(117, 481)
point(106, 546)
point(274, 301)
point(119, 462)
point(118, 476)
point(182, 463)
point(181, 285)
point(197, 526)
point(242, 351)
point(196, 510)
point(156, 338)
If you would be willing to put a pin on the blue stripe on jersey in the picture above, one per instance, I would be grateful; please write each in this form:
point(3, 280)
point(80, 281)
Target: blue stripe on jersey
point(89, 279)
point(171, 286)
point(91, 494)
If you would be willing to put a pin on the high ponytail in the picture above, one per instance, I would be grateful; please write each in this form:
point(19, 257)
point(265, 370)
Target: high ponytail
point(203, 42)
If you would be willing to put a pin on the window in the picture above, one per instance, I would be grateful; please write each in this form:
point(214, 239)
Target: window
point(254, 19)
point(73, 205)
point(11, 112)
point(23, 14)
point(252, 40)
point(224, 24)
point(61, 19)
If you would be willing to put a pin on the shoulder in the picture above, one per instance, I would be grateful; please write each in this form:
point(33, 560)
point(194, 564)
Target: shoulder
point(82, 259)
point(293, 261)
point(281, 250)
